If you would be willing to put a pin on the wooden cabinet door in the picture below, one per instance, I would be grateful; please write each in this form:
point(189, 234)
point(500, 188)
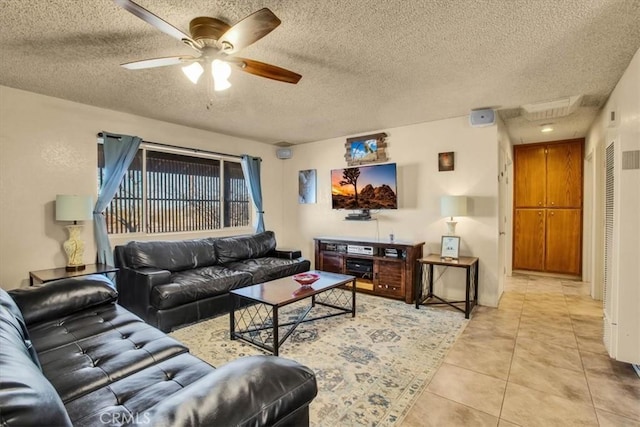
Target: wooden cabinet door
point(564, 242)
point(389, 277)
point(530, 173)
point(331, 262)
point(564, 175)
point(529, 239)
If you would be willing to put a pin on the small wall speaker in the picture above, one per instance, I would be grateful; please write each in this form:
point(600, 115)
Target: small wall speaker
point(482, 117)
point(284, 153)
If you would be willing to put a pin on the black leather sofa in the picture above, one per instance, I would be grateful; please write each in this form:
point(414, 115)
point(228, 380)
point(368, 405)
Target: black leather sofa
point(69, 355)
point(174, 283)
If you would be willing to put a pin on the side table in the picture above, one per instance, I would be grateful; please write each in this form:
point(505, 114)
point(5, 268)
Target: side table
point(51, 274)
point(424, 287)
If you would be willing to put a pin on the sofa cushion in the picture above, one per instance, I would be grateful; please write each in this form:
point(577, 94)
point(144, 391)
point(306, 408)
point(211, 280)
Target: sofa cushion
point(264, 395)
point(128, 399)
point(197, 284)
point(59, 332)
point(245, 247)
point(14, 316)
point(63, 297)
point(270, 268)
point(23, 385)
point(87, 364)
point(171, 255)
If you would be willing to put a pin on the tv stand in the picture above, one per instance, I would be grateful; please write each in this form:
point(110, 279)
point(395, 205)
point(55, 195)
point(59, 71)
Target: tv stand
point(381, 267)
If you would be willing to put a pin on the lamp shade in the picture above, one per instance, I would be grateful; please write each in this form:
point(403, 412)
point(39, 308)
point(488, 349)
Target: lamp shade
point(453, 205)
point(74, 208)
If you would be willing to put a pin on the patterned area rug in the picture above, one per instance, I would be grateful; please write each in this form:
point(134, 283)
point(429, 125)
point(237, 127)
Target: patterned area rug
point(370, 369)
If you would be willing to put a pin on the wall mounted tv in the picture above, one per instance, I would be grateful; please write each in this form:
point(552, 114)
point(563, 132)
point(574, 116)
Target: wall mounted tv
point(364, 187)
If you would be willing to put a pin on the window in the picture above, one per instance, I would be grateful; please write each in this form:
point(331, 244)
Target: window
point(165, 192)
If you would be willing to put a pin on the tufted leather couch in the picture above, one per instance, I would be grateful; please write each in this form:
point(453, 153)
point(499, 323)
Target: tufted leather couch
point(69, 355)
point(174, 283)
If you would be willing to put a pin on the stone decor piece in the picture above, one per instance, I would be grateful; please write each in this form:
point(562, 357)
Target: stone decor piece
point(366, 149)
point(370, 369)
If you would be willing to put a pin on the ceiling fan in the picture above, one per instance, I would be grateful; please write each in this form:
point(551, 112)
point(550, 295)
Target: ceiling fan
point(216, 42)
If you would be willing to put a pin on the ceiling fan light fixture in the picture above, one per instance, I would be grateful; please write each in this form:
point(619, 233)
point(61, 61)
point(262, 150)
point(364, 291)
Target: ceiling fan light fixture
point(220, 70)
point(193, 72)
point(220, 85)
point(213, 38)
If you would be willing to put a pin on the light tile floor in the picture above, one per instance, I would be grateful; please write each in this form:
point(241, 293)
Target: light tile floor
point(536, 360)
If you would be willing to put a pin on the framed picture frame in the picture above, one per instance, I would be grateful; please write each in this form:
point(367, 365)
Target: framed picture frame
point(446, 161)
point(450, 247)
point(307, 186)
point(365, 149)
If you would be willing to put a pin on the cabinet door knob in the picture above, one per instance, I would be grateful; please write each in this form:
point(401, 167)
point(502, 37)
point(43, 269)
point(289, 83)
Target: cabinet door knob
point(539, 203)
point(553, 213)
point(552, 203)
point(539, 213)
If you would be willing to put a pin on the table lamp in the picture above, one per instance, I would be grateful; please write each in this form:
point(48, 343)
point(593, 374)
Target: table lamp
point(74, 208)
point(453, 206)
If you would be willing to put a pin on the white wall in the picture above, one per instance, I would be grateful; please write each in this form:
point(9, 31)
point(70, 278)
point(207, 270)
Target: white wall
point(415, 150)
point(625, 101)
point(48, 147)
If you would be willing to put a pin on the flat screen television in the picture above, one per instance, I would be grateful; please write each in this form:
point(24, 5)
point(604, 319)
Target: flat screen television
point(364, 187)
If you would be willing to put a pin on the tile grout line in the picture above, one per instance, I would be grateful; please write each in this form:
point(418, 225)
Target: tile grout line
point(584, 370)
point(513, 354)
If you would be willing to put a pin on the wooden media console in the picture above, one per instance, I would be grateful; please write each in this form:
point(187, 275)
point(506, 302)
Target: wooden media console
point(385, 268)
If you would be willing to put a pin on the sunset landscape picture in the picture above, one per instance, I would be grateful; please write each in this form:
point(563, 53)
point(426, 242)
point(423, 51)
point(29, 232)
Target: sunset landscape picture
point(364, 187)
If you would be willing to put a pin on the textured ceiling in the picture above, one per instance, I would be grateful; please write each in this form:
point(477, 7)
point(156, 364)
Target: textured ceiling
point(366, 65)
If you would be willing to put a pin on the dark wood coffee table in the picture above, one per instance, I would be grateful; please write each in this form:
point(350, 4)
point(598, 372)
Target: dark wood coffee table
point(254, 312)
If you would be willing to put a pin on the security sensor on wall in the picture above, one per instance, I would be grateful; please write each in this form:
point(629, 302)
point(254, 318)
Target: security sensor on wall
point(284, 153)
point(482, 117)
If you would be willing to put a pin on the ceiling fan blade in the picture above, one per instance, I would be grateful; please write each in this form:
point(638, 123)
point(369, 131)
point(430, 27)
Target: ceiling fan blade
point(156, 21)
point(158, 62)
point(261, 69)
point(249, 30)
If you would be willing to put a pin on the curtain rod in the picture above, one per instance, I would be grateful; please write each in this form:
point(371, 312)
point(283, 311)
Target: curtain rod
point(195, 150)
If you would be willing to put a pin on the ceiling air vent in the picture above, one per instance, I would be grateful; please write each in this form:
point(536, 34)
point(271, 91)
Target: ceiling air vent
point(551, 109)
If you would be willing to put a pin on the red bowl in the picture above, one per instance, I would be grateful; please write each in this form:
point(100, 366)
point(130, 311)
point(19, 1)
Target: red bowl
point(302, 290)
point(306, 279)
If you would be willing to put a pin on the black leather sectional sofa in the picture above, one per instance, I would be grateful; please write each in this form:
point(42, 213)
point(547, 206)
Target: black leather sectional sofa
point(69, 355)
point(174, 283)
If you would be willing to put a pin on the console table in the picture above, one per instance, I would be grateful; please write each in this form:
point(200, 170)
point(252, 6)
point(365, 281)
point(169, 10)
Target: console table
point(381, 267)
point(425, 286)
point(51, 274)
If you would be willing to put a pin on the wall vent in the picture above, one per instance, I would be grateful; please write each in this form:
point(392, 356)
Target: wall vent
point(608, 238)
point(613, 118)
point(631, 159)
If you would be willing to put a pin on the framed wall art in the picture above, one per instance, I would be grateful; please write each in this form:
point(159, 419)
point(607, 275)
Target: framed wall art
point(366, 149)
point(446, 161)
point(307, 186)
point(450, 247)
